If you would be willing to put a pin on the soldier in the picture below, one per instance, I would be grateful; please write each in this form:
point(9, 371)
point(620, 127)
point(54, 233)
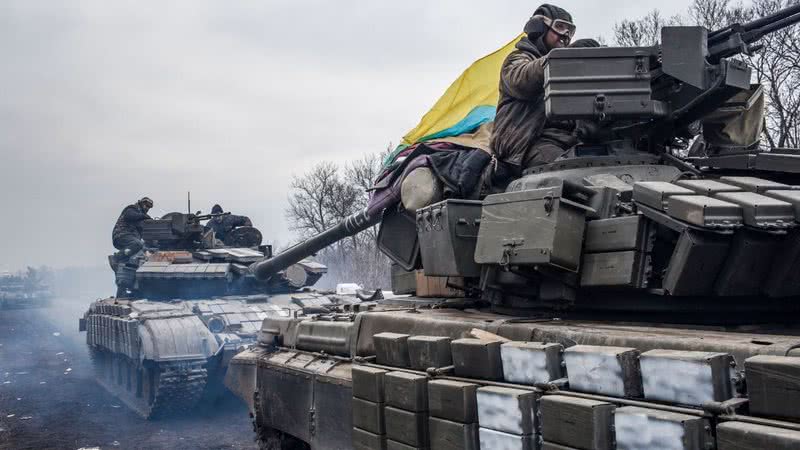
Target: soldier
point(522, 136)
point(127, 236)
point(222, 225)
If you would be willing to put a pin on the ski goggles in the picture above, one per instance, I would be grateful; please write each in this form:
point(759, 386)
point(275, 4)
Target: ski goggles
point(559, 26)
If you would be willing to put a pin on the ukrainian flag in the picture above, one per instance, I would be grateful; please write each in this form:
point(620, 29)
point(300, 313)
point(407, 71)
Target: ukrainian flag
point(468, 103)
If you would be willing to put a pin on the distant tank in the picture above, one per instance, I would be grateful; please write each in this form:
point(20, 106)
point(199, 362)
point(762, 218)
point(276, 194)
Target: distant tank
point(185, 306)
point(24, 290)
point(643, 294)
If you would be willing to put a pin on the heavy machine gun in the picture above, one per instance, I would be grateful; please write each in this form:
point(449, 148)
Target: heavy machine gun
point(177, 231)
point(655, 98)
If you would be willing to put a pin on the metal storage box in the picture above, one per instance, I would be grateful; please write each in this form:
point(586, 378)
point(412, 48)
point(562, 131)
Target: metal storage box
point(705, 211)
point(656, 194)
point(577, 422)
point(368, 383)
point(707, 187)
point(537, 226)
point(687, 377)
point(639, 428)
point(604, 370)
point(589, 83)
point(447, 234)
point(448, 435)
point(508, 410)
point(749, 436)
point(617, 234)
point(615, 269)
point(453, 400)
point(754, 184)
point(773, 385)
point(408, 427)
point(429, 351)
point(407, 391)
point(391, 349)
point(760, 210)
point(792, 197)
point(477, 358)
point(531, 362)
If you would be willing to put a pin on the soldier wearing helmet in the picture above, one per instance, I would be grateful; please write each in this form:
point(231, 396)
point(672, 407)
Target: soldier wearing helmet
point(127, 234)
point(523, 136)
point(223, 225)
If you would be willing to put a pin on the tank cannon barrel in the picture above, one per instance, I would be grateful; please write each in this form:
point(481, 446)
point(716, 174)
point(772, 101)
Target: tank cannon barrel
point(350, 226)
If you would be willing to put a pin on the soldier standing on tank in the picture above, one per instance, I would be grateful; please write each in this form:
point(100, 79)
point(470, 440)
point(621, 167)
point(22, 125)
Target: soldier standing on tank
point(222, 225)
point(127, 234)
point(523, 136)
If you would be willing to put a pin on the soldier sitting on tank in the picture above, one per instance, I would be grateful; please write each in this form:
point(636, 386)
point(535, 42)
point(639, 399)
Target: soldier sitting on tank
point(523, 137)
point(127, 236)
point(223, 225)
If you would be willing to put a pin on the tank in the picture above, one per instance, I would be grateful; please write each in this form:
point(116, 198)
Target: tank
point(24, 290)
point(185, 305)
point(641, 294)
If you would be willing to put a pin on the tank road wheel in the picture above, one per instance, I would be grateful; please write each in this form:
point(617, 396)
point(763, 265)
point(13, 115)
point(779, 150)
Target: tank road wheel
point(271, 439)
point(150, 389)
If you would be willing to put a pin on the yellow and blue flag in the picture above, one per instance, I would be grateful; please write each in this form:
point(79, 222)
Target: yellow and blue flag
point(468, 103)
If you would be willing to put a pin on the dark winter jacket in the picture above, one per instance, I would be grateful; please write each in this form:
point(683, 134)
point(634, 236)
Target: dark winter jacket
point(129, 222)
point(520, 121)
point(223, 225)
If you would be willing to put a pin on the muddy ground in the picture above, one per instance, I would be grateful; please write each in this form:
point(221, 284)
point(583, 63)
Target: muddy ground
point(48, 398)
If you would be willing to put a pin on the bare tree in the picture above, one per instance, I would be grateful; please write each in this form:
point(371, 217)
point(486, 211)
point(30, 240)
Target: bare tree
point(325, 196)
point(643, 32)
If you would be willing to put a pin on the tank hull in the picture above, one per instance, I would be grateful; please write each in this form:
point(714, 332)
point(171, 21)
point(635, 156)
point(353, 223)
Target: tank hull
point(320, 384)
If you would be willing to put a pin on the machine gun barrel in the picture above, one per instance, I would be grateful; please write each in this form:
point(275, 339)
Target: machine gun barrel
point(350, 226)
point(722, 34)
point(736, 38)
point(210, 216)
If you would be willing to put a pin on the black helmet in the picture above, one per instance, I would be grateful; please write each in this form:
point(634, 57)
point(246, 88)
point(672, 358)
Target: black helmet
point(536, 26)
point(216, 209)
point(146, 202)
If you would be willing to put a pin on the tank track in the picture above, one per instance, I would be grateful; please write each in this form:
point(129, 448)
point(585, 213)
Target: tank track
point(152, 390)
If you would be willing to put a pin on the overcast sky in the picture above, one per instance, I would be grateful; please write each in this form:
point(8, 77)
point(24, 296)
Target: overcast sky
point(105, 101)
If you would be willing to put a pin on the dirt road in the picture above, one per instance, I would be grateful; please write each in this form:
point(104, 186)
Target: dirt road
point(48, 398)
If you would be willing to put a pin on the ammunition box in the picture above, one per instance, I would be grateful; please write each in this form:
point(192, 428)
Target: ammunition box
point(773, 385)
point(447, 435)
point(453, 400)
point(707, 212)
point(391, 349)
point(744, 270)
point(604, 370)
point(748, 436)
point(617, 234)
point(687, 377)
point(531, 362)
point(508, 410)
point(577, 422)
point(407, 391)
point(368, 383)
point(403, 281)
point(534, 226)
point(753, 184)
point(615, 269)
point(592, 83)
point(447, 232)
point(429, 351)
point(394, 445)
point(493, 439)
point(656, 194)
point(792, 197)
point(707, 187)
point(695, 263)
point(477, 358)
point(761, 211)
point(407, 427)
point(638, 428)
point(364, 440)
point(369, 416)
